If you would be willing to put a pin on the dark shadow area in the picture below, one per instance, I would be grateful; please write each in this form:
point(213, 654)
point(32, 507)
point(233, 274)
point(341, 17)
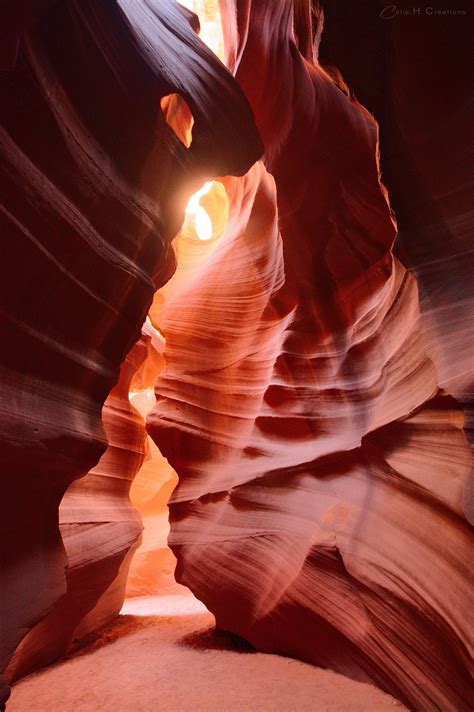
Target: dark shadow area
point(120, 627)
point(215, 639)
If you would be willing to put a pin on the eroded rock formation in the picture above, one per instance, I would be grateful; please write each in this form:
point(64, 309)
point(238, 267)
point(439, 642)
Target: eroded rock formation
point(414, 76)
point(307, 399)
point(93, 185)
point(100, 530)
point(322, 467)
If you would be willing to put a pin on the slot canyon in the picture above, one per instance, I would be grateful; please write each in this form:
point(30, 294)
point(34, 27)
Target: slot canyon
point(237, 356)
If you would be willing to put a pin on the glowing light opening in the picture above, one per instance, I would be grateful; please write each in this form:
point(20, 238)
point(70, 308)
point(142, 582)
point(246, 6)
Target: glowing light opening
point(211, 23)
point(195, 211)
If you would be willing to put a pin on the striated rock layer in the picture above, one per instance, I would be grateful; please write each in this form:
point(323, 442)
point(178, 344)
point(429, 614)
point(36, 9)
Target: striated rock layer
point(93, 183)
point(415, 77)
point(100, 531)
point(307, 400)
point(320, 510)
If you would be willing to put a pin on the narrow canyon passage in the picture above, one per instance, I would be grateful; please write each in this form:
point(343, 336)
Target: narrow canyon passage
point(236, 366)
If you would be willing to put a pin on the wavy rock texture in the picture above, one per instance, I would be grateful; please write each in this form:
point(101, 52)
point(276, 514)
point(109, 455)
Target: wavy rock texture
point(100, 531)
point(320, 510)
point(407, 74)
point(93, 183)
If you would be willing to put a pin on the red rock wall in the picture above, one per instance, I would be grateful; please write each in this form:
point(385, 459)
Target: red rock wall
point(100, 531)
point(92, 182)
point(413, 72)
point(307, 400)
point(320, 510)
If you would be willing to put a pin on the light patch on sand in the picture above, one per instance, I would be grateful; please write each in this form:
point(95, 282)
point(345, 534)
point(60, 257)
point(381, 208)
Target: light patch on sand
point(164, 606)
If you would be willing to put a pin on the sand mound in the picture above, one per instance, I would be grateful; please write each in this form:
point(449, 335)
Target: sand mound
point(164, 654)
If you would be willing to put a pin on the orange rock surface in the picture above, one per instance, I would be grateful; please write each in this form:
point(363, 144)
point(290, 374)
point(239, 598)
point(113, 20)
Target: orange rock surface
point(312, 369)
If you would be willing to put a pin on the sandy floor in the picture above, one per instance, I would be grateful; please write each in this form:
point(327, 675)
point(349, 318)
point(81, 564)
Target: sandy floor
point(163, 655)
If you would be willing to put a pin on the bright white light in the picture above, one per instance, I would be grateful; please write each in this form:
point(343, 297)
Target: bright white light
point(211, 24)
point(193, 203)
point(202, 221)
point(203, 225)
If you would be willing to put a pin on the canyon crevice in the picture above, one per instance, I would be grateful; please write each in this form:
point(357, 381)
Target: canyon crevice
point(309, 341)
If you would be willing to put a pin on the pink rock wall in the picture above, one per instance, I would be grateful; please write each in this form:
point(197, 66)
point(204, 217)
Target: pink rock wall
point(322, 467)
point(307, 401)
